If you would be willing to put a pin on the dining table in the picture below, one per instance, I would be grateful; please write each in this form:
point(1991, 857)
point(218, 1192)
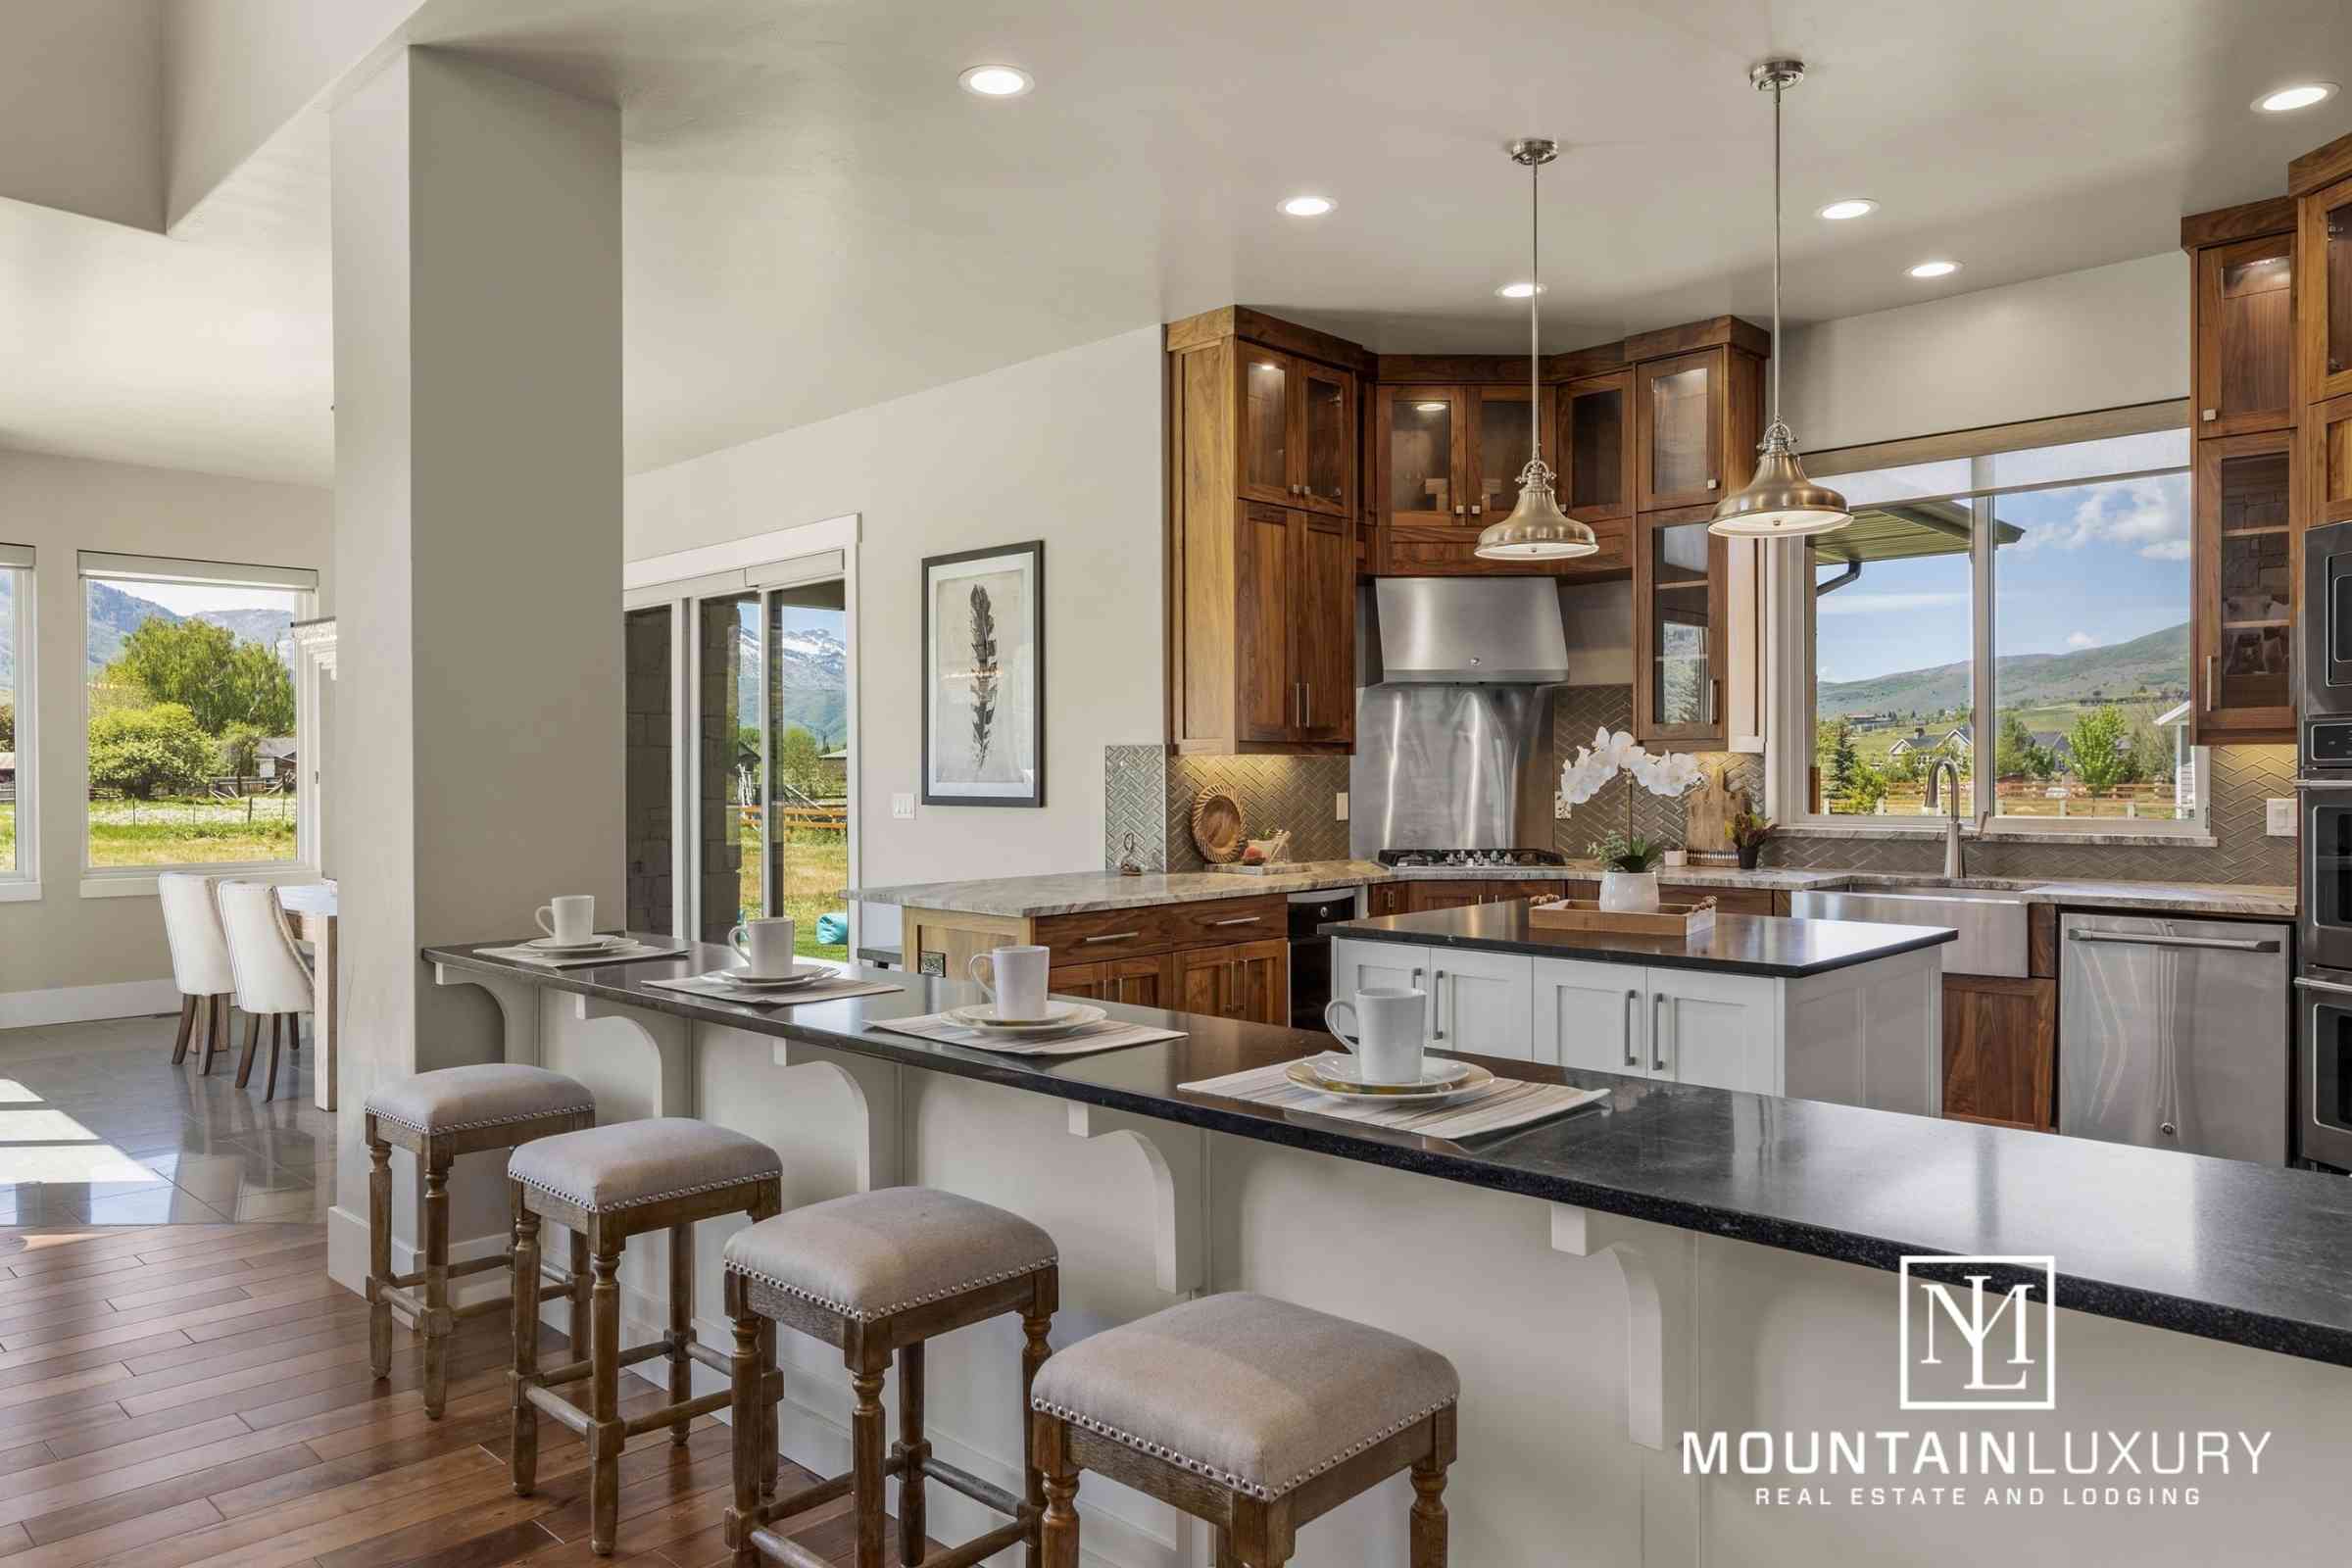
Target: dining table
point(311, 909)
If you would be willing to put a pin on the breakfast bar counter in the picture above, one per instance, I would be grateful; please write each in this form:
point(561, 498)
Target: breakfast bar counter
point(1606, 1281)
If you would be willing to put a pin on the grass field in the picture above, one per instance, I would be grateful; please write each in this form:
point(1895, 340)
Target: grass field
point(191, 832)
point(8, 835)
point(816, 867)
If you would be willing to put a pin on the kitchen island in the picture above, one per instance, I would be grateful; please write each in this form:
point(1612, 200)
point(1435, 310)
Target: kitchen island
point(1605, 1282)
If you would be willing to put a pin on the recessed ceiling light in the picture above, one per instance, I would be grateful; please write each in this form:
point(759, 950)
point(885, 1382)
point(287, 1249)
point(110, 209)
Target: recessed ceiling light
point(2302, 95)
point(996, 82)
point(1935, 268)
point(1308, 206)
point(1519, 291)
point(1432, 408)
point(1851, 207)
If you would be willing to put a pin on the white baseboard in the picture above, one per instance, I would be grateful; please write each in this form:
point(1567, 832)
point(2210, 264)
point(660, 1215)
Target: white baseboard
point(347, 1259)
point(128, 998)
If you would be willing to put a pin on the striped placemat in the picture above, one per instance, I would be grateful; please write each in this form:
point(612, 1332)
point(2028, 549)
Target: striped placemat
point(539, 957)
point(1110, 1034)
point(703, 985)
point(1504, 1103)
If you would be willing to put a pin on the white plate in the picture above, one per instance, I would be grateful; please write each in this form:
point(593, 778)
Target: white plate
point(1068, 1017)
point(992, 1015)
point(802, 974)
point(1338, 1067)
point(591, 944)
point(1302, 1073)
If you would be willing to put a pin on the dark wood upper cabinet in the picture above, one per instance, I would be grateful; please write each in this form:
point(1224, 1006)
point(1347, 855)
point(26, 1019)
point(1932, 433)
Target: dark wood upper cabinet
point(1323, 401)
point(2245, 336)
point(2246, 561)
point(1679, 615)
point(1423, 444)
point(2327, 435)
point(1679, 430)
point(1596, 456)
point(2320, 181)
point(1502, 438)
point(1264, 470)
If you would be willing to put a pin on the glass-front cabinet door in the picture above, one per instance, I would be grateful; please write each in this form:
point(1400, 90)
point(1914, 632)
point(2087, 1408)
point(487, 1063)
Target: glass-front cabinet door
point(2245, 326)
point(2326, 230)
point(1501, 440)
point(1264, 473)
point(1678, 610)
point(1422, 441)
point(1678, 407)
point(2328, 430)
point(1325, 439)
point(1596, 456)
point(2245, 584)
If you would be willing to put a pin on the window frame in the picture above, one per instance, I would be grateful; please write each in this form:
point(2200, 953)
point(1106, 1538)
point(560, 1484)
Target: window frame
point(1790, 651)
point(21, 882)
point(136, 881)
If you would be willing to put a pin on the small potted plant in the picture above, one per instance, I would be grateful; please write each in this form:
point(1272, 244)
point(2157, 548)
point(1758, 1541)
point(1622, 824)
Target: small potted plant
point(1629, 876)
point(1747, 832)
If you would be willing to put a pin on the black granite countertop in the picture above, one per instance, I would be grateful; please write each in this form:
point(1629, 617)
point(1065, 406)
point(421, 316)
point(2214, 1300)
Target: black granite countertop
point(2226, 1250)
point(1739, 943)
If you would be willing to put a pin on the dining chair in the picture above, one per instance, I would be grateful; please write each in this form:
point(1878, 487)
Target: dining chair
point(273, 980)
point(200, 965)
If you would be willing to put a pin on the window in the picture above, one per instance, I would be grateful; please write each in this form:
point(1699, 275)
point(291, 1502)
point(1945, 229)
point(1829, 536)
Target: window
point(15, 714)
point(190, 713)
point(2020, 610)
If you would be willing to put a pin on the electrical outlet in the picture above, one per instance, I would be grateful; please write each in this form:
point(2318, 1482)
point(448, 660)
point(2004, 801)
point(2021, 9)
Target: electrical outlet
point(2278, 816)
point(1341, 809)
point(901, 806)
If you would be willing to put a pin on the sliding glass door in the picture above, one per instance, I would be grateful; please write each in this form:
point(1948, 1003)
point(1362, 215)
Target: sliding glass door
point(807, 739)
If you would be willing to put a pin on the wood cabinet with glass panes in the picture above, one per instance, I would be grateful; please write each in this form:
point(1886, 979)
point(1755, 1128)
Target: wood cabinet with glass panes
point(1680, 625)
point(1446, 460)
point(2320, 183)
point(1697, 411)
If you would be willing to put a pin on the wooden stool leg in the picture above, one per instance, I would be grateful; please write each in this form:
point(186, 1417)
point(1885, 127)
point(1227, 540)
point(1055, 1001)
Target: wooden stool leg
point(1427, 1548)
point(278, 1031)
point(379, 1252)
point(681, 1325)
point(1059, 1533)
point(253, 1038)
point(750, 1421)
point(524, 1458)
point(187, 1026)
point(217, 1040)
point(436, 1279)
point(865, 1450)
point(579, 1293)
point(1226, 1557)
point(770, 1402)
point(605, 1435)
point(1034, 1351)
point(912, 1524)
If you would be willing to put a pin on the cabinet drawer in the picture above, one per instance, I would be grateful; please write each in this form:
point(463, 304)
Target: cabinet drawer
point(1728, 901)
point(1093, 937)
point(1212, 921)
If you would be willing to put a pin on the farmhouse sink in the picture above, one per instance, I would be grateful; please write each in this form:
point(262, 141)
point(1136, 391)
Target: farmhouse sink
point(1989, 914)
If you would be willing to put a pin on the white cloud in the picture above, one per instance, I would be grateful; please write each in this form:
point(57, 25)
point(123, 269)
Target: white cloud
point(2148, 516)
point(1847, 604)
point(2081, 639)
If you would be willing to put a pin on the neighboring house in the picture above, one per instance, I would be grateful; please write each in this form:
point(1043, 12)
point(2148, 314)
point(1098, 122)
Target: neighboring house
point(8, 767)
point(1952, 742)
point(276, 756)
point(2056, 743)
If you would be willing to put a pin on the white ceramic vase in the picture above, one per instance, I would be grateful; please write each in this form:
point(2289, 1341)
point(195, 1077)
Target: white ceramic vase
point(1632, 891)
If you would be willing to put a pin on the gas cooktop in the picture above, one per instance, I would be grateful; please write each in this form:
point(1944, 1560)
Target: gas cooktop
point(1479, 857)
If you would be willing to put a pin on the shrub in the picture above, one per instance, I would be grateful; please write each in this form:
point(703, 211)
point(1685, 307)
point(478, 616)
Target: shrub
point(146, 751)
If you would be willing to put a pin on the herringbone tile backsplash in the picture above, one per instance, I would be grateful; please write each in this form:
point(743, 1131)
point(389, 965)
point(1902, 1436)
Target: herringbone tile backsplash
point(1150, 793)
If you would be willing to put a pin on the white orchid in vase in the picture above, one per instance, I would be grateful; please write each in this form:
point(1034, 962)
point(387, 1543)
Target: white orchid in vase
point(1630, 879)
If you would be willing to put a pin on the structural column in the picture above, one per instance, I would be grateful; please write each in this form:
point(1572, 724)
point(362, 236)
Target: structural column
point(477, 757)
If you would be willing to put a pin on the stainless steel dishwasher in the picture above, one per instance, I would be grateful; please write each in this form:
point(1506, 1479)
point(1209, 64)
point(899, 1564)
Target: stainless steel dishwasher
point(2174, 1034)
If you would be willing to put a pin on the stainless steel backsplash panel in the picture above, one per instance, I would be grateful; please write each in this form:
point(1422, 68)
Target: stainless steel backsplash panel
point(1452, 767)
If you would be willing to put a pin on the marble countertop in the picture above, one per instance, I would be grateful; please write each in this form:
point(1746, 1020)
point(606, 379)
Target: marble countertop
point(2249, 1255)
point(1737, 944)
point(1084, 892)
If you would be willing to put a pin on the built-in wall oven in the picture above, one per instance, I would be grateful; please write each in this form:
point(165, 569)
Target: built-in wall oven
point(2323, 794)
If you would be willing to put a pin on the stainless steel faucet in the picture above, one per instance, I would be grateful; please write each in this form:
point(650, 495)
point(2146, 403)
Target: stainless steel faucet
point(1952, 827)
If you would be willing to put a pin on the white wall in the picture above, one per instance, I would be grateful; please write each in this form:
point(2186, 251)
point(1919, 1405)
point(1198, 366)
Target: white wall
point(60, 506)
point(1066, 448)
point(2101, 338)
point(81, 108)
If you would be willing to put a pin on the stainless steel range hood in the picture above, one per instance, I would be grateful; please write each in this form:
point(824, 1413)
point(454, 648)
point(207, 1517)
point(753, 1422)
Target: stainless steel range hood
point(1482, 631)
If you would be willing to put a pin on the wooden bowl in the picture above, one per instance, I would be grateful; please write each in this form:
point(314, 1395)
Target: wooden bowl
point(1217, 827)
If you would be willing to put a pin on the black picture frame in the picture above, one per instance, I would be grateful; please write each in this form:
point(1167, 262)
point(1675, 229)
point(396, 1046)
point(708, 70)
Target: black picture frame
point(1028, 556)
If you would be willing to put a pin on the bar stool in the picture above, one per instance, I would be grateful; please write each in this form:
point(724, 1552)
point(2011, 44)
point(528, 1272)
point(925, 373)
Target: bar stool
point(612, 1183)
point(1284, 1411)
point(879, 1273)
point(439, 1116)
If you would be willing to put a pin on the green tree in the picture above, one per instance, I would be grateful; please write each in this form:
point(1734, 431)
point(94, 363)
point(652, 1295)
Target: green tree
point(1835, 753)
point(800, 764)
point(2017, 754)
point(205, 669)
point(8, 726)
point(2100, 744)
point(1866, 791)
point(241, 749)
point(2151, 752)
point(146, 751)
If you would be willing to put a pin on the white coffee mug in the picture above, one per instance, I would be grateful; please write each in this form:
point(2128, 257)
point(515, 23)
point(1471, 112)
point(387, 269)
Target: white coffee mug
point(571, 919)
point(1015, 980)
point(1388, 1025)
point(766, 945)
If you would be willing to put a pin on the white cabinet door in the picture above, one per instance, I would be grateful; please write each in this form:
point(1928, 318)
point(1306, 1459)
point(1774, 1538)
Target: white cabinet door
point(1722, 1031)
point(1364, 965)
point(1482, 1001)
point(1591, 1016)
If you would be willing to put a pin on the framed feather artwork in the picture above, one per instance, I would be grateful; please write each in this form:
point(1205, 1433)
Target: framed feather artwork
point(984, 667)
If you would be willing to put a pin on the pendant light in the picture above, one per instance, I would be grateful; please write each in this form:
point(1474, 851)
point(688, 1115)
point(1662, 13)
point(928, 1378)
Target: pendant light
point(1536, 529)
point(1780, 502)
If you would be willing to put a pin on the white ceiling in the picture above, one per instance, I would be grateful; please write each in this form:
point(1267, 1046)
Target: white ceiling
point(817, 219)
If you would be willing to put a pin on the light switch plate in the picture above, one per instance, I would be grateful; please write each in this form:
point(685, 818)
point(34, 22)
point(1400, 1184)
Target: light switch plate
point(1341, 809)
point(2278, 816)
point(901, 806)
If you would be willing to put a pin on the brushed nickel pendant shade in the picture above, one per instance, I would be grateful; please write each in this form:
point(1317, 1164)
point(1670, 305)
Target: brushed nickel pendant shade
point(1536, 529)
point(1779, 502)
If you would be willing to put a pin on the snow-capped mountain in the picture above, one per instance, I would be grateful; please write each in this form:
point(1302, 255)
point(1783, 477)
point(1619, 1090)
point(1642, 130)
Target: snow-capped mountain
point(812, 681)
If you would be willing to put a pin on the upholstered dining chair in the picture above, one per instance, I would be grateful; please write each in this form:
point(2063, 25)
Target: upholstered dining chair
point(200, 965)
point(273, 980)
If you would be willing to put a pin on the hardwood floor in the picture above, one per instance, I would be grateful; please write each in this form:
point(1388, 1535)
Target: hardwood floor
point(199, 1396)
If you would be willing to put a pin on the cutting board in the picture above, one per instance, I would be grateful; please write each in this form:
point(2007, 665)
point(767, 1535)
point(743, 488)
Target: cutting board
point(1707, 813)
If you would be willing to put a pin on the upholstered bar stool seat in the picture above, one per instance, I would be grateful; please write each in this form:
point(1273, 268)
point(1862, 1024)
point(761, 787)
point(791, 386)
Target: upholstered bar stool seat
point(878, 1274)
point(1287, 1411)
point(608, 1184)
point(439, 1116)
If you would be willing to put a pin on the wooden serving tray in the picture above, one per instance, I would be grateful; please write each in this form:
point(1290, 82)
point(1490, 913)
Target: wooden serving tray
point(1586, 914)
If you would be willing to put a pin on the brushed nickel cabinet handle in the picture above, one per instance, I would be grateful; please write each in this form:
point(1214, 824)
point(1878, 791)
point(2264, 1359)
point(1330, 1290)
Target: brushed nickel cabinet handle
point(1631, 1060)
point(1239, 920)
point(1714, 483)
point(1111, 936)
point(1657, 1033)
point(1457, 509)
point(2213, 665)
point(2209, 414)
point(1474, 511)
point(1437, 989)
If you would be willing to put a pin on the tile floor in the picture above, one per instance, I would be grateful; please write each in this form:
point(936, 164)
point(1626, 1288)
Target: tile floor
point(98, 1127)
